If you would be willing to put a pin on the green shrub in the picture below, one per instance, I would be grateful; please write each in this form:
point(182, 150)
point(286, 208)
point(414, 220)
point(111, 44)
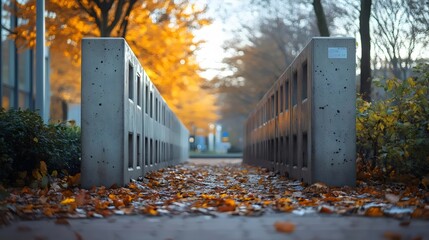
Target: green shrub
point(26, 144)
point(67, 148)
point(394, 133)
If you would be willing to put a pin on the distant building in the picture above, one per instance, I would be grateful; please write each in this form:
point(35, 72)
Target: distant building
point(18, 72)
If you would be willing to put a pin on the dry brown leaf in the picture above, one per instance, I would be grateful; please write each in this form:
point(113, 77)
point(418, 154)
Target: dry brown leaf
point(392, 235)
point(226, 208)
point(392, 198)
point(81, 198)
point(326, 210)
point(284, 226)
point(74, 180)
point(374, 212)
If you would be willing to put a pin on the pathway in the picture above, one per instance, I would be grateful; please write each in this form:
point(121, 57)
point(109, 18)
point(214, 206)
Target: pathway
point(219, 199)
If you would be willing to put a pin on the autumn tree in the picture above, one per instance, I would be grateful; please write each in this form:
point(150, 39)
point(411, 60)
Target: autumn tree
point(161, 33)
point(260, 53)
point(109, 15)
point(255, 66)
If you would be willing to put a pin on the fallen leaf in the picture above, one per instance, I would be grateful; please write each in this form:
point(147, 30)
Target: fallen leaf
point(74, 180)
point(48, 212)
point(392, 236)
point(81, 198)
point(392, 198)
point(374, 212)
point(325, 209)
point(284, 226)
point(226, 208)
point(67, 201)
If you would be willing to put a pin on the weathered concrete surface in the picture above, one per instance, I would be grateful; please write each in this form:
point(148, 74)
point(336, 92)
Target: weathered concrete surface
point(221, 227)
point(305, 125)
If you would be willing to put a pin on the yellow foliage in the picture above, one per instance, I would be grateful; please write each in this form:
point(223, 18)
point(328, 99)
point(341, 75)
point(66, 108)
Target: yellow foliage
point(164, 44)
point(43, 168)
point(393, 132)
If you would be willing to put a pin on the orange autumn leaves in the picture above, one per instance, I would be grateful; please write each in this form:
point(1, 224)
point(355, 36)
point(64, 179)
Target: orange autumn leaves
point(284, 226)
point(161, 34)
point(209, 190)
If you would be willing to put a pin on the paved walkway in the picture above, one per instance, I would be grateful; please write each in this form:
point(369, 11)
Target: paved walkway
point(217, 226)
point(222, 227)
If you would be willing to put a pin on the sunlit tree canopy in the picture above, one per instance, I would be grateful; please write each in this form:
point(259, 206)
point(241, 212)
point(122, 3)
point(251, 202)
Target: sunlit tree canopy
point(161, 34)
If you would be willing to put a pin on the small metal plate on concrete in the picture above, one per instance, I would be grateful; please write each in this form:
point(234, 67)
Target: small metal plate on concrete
point(337, 52)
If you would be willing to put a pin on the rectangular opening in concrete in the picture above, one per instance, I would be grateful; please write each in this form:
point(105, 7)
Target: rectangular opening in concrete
point(304, 150)
point(287, 95)
point(295, 88)
point(304, 80)
point(146, 152)
point(139, 91)
point(272, 107)
point(147, 99)
point(162, 114)
point(156, 152)
point(151, 105)
point(151, 152)
point(130, 81)
point(156, 109)
point(130, 150)
point(286, 147)
point(264, 150)
point(294, 150)
point(139, 153)
point(281, 99)
point(276, 103)
point(164, 151)
point(282, 150)
point(277, 151)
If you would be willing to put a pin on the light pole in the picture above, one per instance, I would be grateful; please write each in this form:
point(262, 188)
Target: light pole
point(40, 61)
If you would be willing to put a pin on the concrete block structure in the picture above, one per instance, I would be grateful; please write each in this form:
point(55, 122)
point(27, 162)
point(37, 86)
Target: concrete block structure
point(127, 127)
point(305, 125)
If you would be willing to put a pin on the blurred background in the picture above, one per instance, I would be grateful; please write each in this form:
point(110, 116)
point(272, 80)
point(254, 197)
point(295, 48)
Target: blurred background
point(211, 60)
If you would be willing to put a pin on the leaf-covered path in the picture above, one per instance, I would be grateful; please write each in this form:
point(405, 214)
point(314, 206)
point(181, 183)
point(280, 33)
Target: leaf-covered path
point(210, 187)
point(213, 189)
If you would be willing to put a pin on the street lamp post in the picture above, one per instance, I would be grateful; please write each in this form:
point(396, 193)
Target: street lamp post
point(40, 60)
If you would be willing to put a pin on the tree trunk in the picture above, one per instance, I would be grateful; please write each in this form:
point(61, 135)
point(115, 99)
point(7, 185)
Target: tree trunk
point(321, 18)
point(365, 62)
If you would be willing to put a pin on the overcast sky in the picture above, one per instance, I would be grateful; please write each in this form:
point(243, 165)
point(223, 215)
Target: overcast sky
point(225, 20)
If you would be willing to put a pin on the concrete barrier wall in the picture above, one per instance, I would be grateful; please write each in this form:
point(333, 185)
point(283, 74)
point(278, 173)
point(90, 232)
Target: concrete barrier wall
point(127, 127)
point(304, 127)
